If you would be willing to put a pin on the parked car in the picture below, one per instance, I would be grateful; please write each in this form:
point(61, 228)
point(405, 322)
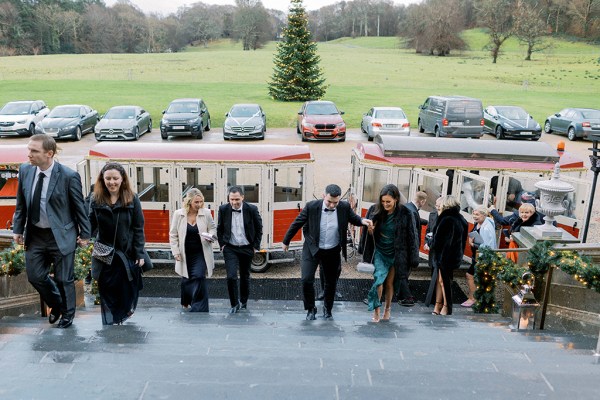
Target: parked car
point(318, 120)
point(185, 117)
point(574, 122)
point(451, 116)
point(69, 121)
point(123, 123)
point(385, 120)
point(19, 118)
point(245, 121)
point(510, 122)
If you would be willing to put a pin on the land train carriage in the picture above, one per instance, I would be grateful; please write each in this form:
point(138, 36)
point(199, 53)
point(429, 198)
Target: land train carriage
point(278, 179)
point(11, 157)
point(475, 171)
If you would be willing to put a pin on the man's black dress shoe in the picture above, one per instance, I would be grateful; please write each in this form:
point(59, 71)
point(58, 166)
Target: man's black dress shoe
point(408, 302)
point(321, 296)
point(54, 315)
point(234, 309)
point(65, 322)
point(244, 306)
point(311, 315)
point(327, 315)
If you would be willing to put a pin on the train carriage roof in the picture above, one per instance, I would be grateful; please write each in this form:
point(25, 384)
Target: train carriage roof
point(466, 153)
point(200, 152)
point(13, 154)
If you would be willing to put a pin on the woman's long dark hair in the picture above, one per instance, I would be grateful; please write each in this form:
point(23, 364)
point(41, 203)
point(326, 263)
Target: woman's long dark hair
point(101, 194)
point(379, 213)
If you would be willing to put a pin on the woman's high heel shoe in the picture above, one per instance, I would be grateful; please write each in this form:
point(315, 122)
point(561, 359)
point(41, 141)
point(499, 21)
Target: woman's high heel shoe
point(435, 311)
point(376, 317)
point(442, 312)
point(386, 314)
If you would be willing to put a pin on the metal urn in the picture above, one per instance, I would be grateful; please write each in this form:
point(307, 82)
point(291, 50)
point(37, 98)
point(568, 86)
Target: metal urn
point(551, 203)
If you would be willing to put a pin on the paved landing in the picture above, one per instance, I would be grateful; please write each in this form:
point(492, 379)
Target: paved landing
point(271, 352)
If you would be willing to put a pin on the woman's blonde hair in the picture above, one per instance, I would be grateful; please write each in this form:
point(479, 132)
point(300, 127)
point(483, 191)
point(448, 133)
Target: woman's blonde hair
point(189, 197)
point(527, 206)
point(449, 202)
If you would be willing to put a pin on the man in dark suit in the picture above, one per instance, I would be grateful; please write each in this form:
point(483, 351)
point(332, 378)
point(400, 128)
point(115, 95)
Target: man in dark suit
point(404, 293)
point(51, 220)
point(324, 224)
point(239, 231)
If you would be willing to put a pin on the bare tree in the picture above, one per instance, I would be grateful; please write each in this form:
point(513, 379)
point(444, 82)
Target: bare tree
point(497, 17)
point(584, 12)
point(252, 24)
point(530, 28)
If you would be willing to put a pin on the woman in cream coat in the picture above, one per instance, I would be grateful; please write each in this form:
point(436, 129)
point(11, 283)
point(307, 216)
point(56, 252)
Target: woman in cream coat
point(191, 235)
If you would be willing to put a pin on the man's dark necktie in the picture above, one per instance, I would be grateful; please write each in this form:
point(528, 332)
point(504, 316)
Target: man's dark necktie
point(237, 211)
point(328, 210)
point(37, 199)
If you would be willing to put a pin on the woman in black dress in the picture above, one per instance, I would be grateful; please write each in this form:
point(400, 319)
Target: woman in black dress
point(116, 213)
point(192, 232)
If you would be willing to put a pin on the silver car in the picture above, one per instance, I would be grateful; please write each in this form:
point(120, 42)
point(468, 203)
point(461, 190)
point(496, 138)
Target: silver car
point(245, 121)
point(123, 123)
point(19, 118)
point(385, 120)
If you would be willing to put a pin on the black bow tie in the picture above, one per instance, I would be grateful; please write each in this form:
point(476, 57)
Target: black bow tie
point(328, 210)
point(237, 211)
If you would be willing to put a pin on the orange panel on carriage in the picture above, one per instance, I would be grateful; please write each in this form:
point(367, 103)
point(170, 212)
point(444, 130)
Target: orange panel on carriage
point(156, 226)
point(6, 216)
point(282, 219)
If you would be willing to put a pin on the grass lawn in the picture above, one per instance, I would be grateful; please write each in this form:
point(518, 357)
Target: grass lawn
point(361, 73)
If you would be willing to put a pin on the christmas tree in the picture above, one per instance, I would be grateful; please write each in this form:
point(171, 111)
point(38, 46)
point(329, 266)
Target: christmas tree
point(297, 75)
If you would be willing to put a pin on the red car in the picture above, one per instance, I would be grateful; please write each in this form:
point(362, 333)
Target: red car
point(321, 120)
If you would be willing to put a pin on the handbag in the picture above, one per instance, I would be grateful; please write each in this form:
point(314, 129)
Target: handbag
point(366, 267)
point(103, 252)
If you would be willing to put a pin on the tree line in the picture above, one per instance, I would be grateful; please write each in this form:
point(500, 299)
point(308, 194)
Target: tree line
point(430, 27)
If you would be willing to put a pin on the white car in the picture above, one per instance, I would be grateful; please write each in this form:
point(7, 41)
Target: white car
point(19, 118)
point(385, 120)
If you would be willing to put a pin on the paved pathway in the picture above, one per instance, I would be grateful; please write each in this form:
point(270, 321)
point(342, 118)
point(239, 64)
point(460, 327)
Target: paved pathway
point(271, 352)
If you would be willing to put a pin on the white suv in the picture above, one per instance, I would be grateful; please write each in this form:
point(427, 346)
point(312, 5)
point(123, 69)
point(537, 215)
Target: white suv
point(18, 118)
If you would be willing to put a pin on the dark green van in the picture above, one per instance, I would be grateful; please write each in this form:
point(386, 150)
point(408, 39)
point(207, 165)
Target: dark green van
point(451, 116)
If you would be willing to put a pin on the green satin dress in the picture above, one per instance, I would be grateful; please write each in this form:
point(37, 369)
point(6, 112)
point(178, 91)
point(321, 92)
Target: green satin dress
point(383, 260)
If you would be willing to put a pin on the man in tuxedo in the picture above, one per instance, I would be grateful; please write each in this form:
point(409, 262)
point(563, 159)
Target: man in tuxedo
point(51, 220)
point(239, 231)
point(324, 224)
point(404, 293)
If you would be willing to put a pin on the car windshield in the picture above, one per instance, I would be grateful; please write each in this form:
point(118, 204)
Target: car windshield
point(183, 108)
point(591, 114)
point(389, 114)
point(120, 113)
point(321, 109)
point(512, 112)
point(64, 112)
point(15, 109)
point(466, 108)
point(244, 111)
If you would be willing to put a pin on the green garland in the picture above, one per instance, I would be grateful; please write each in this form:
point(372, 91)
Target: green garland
point(492, 266)
point(83, 261)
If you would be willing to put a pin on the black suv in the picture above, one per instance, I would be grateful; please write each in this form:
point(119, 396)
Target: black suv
point(185, 117)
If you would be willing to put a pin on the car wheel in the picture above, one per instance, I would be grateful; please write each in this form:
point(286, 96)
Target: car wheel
point(304, 139)
point(263, 133)
point(207, 128)
point(421, 129)
point(31, 129)
point(436, 131)
point(362, 129)
point(136, 133)
point(298, 129)
point(571, 134)
point(149, 126)
point(535, 139)
point(78, 133)
point(164, 135)
point(547, 127)
point(199, 134)
point(499, 133)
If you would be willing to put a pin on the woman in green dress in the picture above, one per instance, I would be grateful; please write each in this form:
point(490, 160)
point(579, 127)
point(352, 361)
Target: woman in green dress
point(396, 248)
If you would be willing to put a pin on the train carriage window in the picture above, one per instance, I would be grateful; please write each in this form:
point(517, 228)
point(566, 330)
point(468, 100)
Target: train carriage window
point(375, 179)
point(200, 178)
point(248, 179)
point(404, 185)
point(153, 184)
point(472, 194)
point(8, 184)
point(288, 184)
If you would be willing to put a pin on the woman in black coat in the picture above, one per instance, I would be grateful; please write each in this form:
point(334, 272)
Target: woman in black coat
point(394, 241)
point(116, 213)
point(446, 252)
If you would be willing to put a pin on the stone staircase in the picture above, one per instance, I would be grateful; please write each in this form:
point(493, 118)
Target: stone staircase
point(272, 352)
